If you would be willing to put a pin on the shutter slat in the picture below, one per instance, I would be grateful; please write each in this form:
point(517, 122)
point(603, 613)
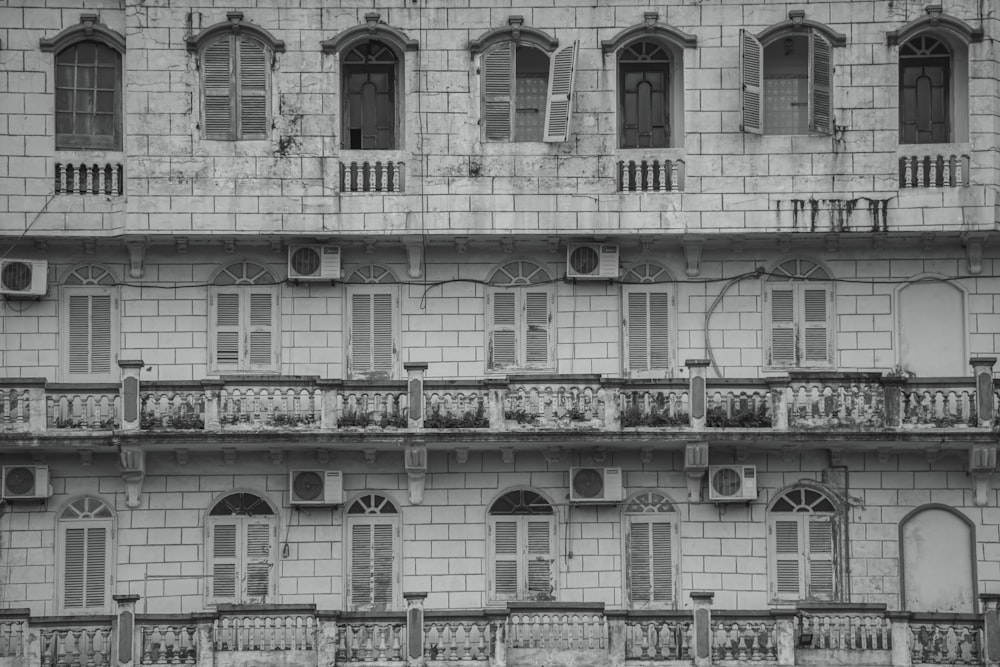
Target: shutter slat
point(560, 94)
point(497, 85)
point(752, 82)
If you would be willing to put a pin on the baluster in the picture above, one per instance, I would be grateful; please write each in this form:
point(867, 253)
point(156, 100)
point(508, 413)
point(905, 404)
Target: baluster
point(647, 176)
point(959, 176)
point(907, 171)
point(675, 184)
point(921, 169)
point(354, 176)
point(933, 171)
point(60, 185)
point(621, 176)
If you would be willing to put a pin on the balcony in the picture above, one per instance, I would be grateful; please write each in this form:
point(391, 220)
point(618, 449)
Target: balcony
point(520, 635)
point(930, 166)
point(372, 172)
point(107, 179)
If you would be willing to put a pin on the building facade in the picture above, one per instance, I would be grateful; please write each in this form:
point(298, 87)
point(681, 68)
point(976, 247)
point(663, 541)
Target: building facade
point(587, 320)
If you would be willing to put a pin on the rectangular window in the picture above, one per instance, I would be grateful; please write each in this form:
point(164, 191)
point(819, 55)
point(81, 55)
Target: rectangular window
point(523, 558)
point(803, 564)
point(647, 331)
point(650, 567)
point(520, 329)
point(88, 97)
point(800, 325)
point(371, 578)
point(244, 333)
point(241, 560)
point(85, 550)
point(372, 349)
point(235, 74)
point(89, 333)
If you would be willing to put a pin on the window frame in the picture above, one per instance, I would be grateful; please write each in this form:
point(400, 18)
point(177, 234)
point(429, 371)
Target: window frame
point(64, 524)
point(537, 281)
point(244, 286)
point(673, 106)
point(241, 520)
point(666, 289)
point(75, 141)
point(656, 508)
point(521, 517)
point(373, 516)
point(395, 70)
point(372, 373)
point(70, 292)
point(956, 108)
point(237, 94)
point(806, 558)
point(800, 323)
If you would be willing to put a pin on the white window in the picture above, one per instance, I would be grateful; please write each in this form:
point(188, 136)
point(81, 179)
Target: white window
point(648, 326)
point(373, 554)
point(786, 82)
point(373, 318)
point(244, 312)
point(520, 306)
point(86, 551)
point(803, 539)
point(522, 548)
point(798, 315)
point(242, 540)
point(651, 552)
point(89, 325)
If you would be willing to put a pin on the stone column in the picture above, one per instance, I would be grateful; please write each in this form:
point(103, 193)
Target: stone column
point(415, 393)
point(498, 621)
point(780, 391)
point(702, 635)
point(326, 641)
point(127, 648)
point(616, 637)
point(415, 629)
point(496, 388)
point(991, 629)
point(893, 388)
point(213, 399)
point(900, 638)
point(784, 621)
point(982, 370)
point(205, 647)
point(330, 391)
point(131, 413)
point(697, 370)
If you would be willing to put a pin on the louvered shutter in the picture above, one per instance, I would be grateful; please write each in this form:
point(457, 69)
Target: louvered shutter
point(502, 308)
point(85, 567)
point(372, 577)
point(96, 567)
point(820, 84)
point(751, 83)
point(361, 333)
point(217, 83)
point(647, 331)
point(382, 334)
point(228, 330)
point(74, 567)
point(261, 334)
point(383, 572)
point(497, 81)
point(662, 562)
point(788, 565)
point(257, 563)
point(559, 101)
point(783, 331)
point(537, 328)
point(373, 348)
point(822, 580)
point(816, 325)
point(223, 562)
point(253, 89)
point(540, 556)
point(650, 563)
point(361, 566)
point(506, 558)
point(89, 333)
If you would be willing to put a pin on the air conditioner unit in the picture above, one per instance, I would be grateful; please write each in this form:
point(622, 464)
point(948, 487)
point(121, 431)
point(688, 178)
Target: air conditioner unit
point(313, 262)
point(732, 483)
point(23, 277)
point(316, 487)
point(592, 260)
point(25, 482)
point(596, 485)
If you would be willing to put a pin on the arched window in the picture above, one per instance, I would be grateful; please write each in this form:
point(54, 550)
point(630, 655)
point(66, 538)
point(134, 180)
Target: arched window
point(798, 315)
point(924, 91)
point(242, 545)
point(647, 296)
point(644, 73)
point(520, 304)
point(373, 554)
point(804, 531)
point(86, 530)
point(522, 547)
point(89, 325)
point(650, 551)
point(370, 79)
point(373, 321)
point(235, 59)
point(243, 314)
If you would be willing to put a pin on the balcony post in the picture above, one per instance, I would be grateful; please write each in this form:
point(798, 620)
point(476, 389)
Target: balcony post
point(415, 389)
point(415, 629)
point(991, 629)
point(893, 388)
point(328, 403)
point(498, 620)
point(38, 407)
point(702, 636)
point(496, 388)
point(780, 390)
point(31, 639)
point(326, 639)
point(697, 369)
point(204, 646)
point(213, 389)
point(900, 637)
point(982, 370)
point(616, 637)
point(784, 631)
point(131, 413)
point(612, 392)
point(126, 645)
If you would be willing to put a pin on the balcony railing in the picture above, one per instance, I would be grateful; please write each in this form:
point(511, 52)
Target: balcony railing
point(373, 175)
point(651, 175)
point(90, 179)
point(860, 402)
point(933, 170)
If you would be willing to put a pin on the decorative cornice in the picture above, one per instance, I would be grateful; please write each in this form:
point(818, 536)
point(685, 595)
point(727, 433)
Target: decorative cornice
point(650, 27)
point(516, 32)
point(88, 29)
point(935, 19)
point(798, 23)
point(235, 25)
point(373, 28)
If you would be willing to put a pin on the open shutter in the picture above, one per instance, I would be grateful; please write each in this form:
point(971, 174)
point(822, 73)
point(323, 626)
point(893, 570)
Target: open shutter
point(383, 551)
point(782, 335)
point(502, 307)
point(498, 81)
point(537, 335)
point(788, 566)
point(261, 334)
point(562, 70)
point(752, 83)
point(224, 562)
point(816, 325)
point(540, 545)
point(506, 558)
point(821, 581)
point(820, 84)
point(228, 320)
point(253, 89)
point(258, 565)
point(383, 347)
point(217, 83)
point(89, 334)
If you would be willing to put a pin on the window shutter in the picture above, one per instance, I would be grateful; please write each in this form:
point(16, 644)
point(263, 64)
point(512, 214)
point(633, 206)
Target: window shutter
point(372, 345)
point(258, 564)
point(821, 580)
point(506, 558)
point(636, 327)
point(663, 562)
point(253, 89)
point(782, 339)
point(263, 339)
point(820, 84)
point(228, 319)
point(85, 567)
point(383, 551)
point(381, 334)
point(752, 82)
point(223, 562)
point(498, 78)
point(640, 577)
point(537, 325)
point(361, 333)
point(650, 556)
point(502, 308)
point(361, 566)
point(788, 570)
point(540, 545)
point(559, 100)
point(74, 567)
point(647, 329)
point(96, 565)
point(217, 83)
point(89, 334)
point(816, 325)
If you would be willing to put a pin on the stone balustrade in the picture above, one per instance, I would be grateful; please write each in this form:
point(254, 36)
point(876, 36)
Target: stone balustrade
point(651, 174)
point(933, 170)
point(372, 174)
point(106, 179)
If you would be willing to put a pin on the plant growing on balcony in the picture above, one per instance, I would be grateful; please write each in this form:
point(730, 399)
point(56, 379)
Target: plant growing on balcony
point(521, 416)
point(286, 420)
point(364, 420)
point(636, 416)
point(744, 417)
point(469, 419)
point(185, 420)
